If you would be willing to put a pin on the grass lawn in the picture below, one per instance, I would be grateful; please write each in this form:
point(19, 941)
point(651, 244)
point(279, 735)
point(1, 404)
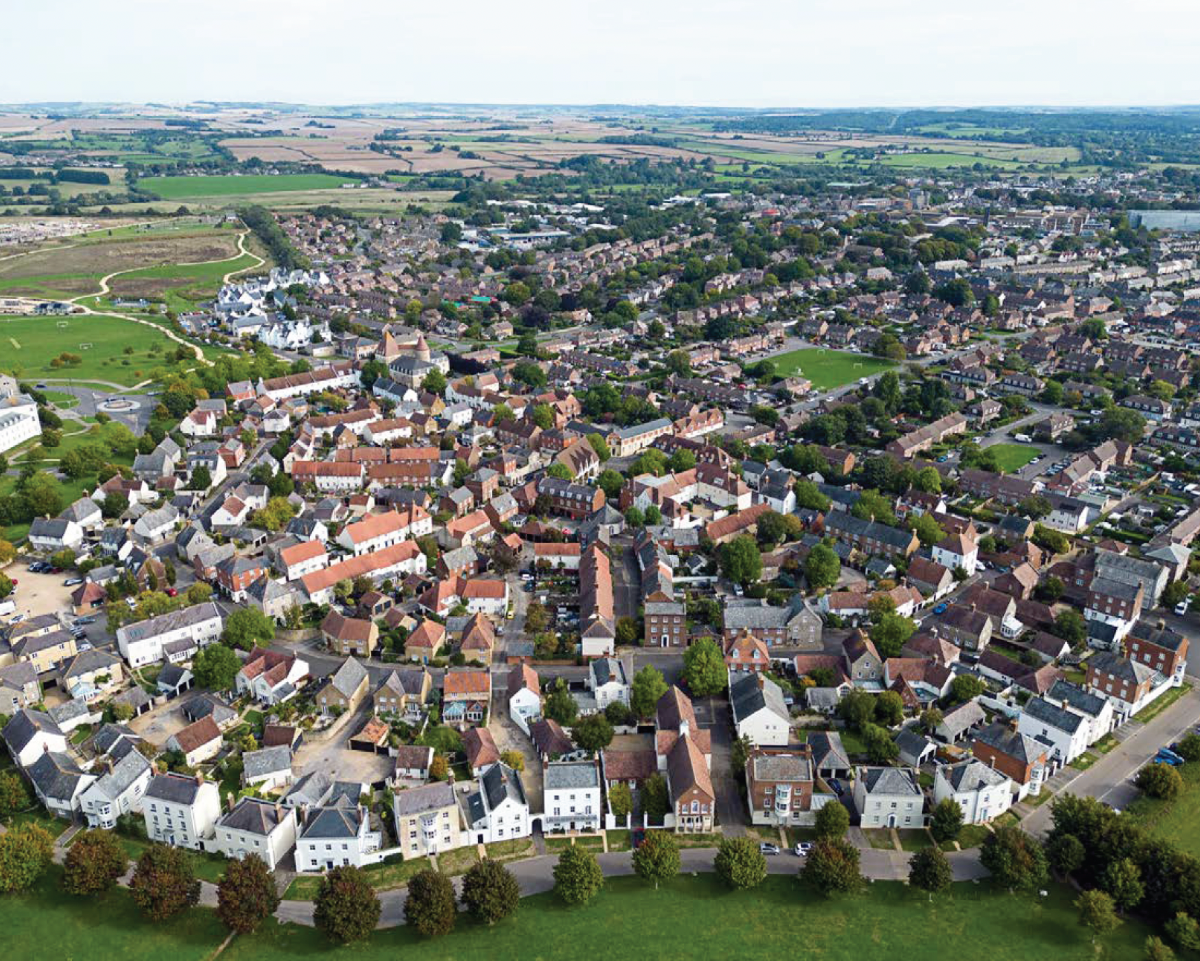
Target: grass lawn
point(619, 841)
point(61, 399)
point(631, 919)
point(42, 818)
point(591, 844)
point(219, 185)
point(1163, 702)
point(383, 877)
point(458, 861)
point(879, 838)
point(1177, 820)
point(29, 344)
point(511, 850)
point(828, 368)
point(1106, 744)
point(1012, 457)
point(1084, 761)
point(915, 840)
point(971, 836)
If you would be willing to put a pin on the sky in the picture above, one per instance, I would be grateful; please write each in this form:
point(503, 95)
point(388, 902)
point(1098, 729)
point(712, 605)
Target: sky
point(770, 53)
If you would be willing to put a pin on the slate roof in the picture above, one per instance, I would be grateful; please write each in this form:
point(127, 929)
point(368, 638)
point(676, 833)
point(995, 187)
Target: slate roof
point(889, 781)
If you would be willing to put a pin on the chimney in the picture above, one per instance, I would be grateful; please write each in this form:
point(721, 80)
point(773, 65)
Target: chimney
point(199, 777)
point(229, 801)
point(278, 811)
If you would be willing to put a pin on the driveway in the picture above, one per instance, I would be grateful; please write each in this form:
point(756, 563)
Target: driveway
point(508, 737)
point(160, 723)
point(40, 593)
point(333, 757)
point(713, 715)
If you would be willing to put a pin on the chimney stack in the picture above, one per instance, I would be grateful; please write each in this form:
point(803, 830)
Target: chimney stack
point(278, 811)
point(229, 801)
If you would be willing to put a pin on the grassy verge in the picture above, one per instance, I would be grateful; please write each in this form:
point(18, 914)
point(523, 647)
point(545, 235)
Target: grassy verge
point(1164, 701)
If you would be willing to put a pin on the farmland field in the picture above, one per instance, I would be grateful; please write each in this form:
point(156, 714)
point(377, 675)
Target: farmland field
point(1012, 457)
point(188, 188)
point(828, 368)
point(29, 344)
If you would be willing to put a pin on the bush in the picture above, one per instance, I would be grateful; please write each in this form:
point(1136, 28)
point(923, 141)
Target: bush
point(1160, 781)
point(740, 863)
point(95, 862)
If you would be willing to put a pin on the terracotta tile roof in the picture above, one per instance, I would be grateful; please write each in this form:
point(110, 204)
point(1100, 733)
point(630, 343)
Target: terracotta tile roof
point(197, 734)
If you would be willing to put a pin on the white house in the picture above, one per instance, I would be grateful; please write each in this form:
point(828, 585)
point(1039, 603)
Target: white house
point(497, 810)
point(180, 810)
point(47, 535)
point(759, 712)
point(607, 681)
point(377, 531)
point(982, 792)
point(146, 641)
point(257, 827)
point(1064, 732)
point(1095, 708)
point(117, 791)
point(572, 796)
point(29, 734)
point(155, 527)
point(889, 797)
point(269, 768)
point(524, 696)
point(336, 836)
point(19, 420)
point(957, 550)
point(58, 782)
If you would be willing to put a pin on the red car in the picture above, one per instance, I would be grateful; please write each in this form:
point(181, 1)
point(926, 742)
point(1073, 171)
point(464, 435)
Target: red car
point(171, 592)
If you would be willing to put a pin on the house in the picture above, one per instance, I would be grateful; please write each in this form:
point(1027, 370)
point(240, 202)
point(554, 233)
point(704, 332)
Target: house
point(199, 741)
point(44, 649)
point(271, 677)
point(524, 696)
point(549, 739)
point(915, 749)
point(889, 797)
point(1017, 756)
point(759, 712)
point(268, 769)
point(497, 809)
point(254, 826)
point(957, 551)
point(1126, 683)
point(466, 697)
point(966, 627)
point(960, 721)
point(1063, 731)
point(92, 675)
point(830, 759)
point(572, 796)
point(689, 782)
point(29, 734)
point(607, 681)
point(180, 810)
point(146, 642)
point(412, 763)
point(982, 792)
point(49, 535)
point(19, 687)
point(425, 641)
point(117, 791)
point(403, 693)
point(58, 782)
point(930, 577)
point(349, 636)
point(345, 688)
point(781, 786)
point(1158, 647)
point(336, 836)
point(427, 820)
point(480, 749)
point(746, 653)
point(311, 790)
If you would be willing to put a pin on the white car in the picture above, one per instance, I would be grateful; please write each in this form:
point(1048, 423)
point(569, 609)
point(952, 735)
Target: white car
point(802, 848)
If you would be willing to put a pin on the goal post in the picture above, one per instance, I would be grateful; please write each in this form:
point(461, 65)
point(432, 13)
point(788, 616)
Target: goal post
point(85, 346)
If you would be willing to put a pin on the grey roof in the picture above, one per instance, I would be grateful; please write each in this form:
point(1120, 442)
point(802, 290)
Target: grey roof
point(1054, 716)
point(51, 529)
point(268, 760)
point(81, 510)
point(1008, 741)
point(18, 675)
point(252, 816)
point(911, 743)
point(499, 783)
point(24, 726)
point(781, 767)
point(109, 734)
point(56, 775)
point(963, 717)
point(333, 822)
point(1108, 587)
point(311, 789)
point(1074, 696)
point(69, 711)
point(605, 669)
point(124, 773)
point(346, 793)
point(827, 750)
point(176, 788)
point(890, 781)
point(348, 677)
point(154, 626)
point(752, 693)
point(576, 775)
point(972, 775)
point(202, 705)
point(1160, 636)
point(89, 661)
point(427, 797)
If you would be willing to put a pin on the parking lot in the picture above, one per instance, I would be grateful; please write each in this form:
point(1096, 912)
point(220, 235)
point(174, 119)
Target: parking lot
point(39, 593)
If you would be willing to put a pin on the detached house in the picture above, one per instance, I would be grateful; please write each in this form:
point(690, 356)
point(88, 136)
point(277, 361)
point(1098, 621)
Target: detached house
point(982, 792)
point(889, 797)
point(180, 810)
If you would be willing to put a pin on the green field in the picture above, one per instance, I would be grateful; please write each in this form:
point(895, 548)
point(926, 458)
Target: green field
point(828, 368)
point(1178, 821)
point(29, 344)
point(1012, 457)
point(219, 185)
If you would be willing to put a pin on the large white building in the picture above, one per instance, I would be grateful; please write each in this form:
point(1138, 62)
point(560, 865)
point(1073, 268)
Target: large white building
point(144, 642)
point(759, 711)
point(497, 810)
point(572, 793)
point(889, 797)
point(117, 791)
point(18, 416)
point(982, 792)
point(336, 836)
point(257, 827)
point(181, 810)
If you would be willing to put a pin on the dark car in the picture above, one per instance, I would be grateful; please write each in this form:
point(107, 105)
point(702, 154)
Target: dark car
point(836, 786)
point(639, 835)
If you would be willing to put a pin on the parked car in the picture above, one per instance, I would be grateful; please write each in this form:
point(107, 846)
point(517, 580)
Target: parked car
point(836, 786)
point(85, 620)
point(639, 835)
point(72, 581)
point(766, 848)
point(941, 608)
point(171, 592)
point(1166, 754)
point(802, 849)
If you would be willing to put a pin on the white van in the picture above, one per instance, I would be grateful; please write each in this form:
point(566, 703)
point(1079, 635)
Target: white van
point(7, 607)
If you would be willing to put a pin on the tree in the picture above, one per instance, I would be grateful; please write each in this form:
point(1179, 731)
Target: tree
point(1014, 859)
point(822, 567)
point(740, 863)
point(95, 861)
point(1121, 423)
point(926, 528)
point(1184, 931)
point(740, 560)
point(930, 719)
point(430, 907)
point(1123, 881)
point(704, 668)
point(966, 687)
point(201, 479)
point(216, 667)
point(577, 875)
point(25, 853)
point(832, 822)
point(1160, 781)
point(946, 822)
point(247, 628)
point(346, 907)
point(164, 882)
point(654, 797)
point(634, 516)
point(246, 894)
point(1188, 747)
point(891, 632)
point(610, 482)
point(648, 686)
point(593, 733)
point(1097, 911)
point(832, 867)
point(657, 858)
point(1070, 626)
point(490, 892)
point(560, 706)
point(627, 631)
point(114, 505)
point(880, 746)
point(600, 446)
point(1158, 950)
point(434, 382)
point(14, 795)
point(620, 799)
point(889, 708)
point(8, 553)
point(1066, 853)
point(930, 871)
point(857, 708)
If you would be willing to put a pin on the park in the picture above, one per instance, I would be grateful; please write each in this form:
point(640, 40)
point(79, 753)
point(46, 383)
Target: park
point(827, 369)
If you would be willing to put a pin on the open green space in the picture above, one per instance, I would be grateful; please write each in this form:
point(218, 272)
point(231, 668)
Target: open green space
point(1012, 457)
point(223, 185)
point(828, 368)
point(1177, 820)
point(29, 345)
